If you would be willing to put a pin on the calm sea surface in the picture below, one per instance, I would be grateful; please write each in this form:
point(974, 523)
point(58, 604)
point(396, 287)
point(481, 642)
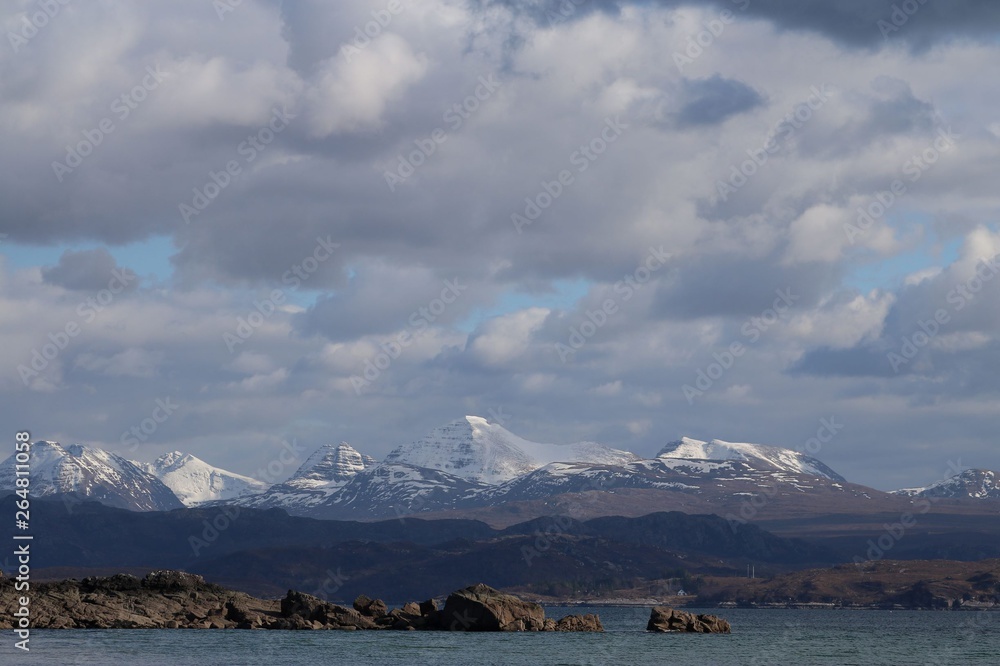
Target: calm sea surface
point(771, 637)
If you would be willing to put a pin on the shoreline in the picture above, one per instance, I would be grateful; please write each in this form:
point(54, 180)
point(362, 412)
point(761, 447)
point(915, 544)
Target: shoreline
point(735, 606)
point(169, 599)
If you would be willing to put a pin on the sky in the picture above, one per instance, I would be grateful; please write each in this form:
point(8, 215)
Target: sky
point(231, 225)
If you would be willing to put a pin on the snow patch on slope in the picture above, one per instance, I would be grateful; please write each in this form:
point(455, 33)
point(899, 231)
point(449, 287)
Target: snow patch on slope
point(194, 481)
point(972, 483)
point(772, 457)
point(331, 466)
point(477, 450)
point(91, 473)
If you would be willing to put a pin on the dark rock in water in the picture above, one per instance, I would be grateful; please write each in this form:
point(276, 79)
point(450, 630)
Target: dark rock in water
point(408, 617)
point(481, 608)
point(586, 622)
point(321, 614)
point(663, 619)
point(178, 600)
point(370, 607)
point(301, 605)
point(429, 610)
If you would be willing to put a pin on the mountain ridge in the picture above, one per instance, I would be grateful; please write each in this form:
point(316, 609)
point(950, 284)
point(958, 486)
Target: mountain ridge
point(194, 481)
point(472, 463)
point(88, 472)
point(970, 483)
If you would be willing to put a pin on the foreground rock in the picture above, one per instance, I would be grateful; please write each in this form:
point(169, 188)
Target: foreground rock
point(663, 620)
point(481, 608)
point(177, 600)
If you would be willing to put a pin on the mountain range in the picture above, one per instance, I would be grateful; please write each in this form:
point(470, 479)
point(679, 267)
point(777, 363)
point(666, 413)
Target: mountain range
point(480, 469)
point(974, 483)
point(84, 472)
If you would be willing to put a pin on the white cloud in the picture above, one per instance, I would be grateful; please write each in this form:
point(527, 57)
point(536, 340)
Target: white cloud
point(656, 185)
point(351, 93)
point(504, 338)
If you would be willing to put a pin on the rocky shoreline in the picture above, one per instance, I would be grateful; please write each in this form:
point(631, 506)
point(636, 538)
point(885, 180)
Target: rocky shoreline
point(668, 620)
point(178, 600)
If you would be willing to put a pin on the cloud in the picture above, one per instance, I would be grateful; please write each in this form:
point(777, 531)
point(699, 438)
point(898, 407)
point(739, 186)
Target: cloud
point(713, 100)
point(501, 340)
point(855, 23)
point(131, 362)
point(352, 93)
point(86, 270)
point(931, 327)
point(563, 77)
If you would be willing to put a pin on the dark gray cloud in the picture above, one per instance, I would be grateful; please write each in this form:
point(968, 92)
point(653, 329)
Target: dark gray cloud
point(733, 285)
point(857, 23)
point(86, 270)
point(866, 361)
point(713, 100)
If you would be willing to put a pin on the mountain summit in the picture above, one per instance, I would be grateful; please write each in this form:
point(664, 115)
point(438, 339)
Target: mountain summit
point(757, 455)
point(195, 481)
point(331, 466)
point(474, 449)
point(323, 475)
point(972, 483)
point(89, 473)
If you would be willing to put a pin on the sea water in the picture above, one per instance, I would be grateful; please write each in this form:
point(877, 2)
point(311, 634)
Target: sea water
point(760, 637)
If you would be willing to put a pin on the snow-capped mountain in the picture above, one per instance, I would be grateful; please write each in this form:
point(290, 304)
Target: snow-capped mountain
point(91, 473)
point(331, 466)
point(324, 473)
point(691, 476)
point(477, 450)
point(396, 490)
point(472, 463)
point(194, 481)
point(972, 483)
point(758, 456)
point(558, 478)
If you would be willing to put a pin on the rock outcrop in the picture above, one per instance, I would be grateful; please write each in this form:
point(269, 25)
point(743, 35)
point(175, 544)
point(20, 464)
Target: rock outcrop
point(663, 620)
point(163, 599)
point(373, 608)
point(481, 608)
point(177, 600)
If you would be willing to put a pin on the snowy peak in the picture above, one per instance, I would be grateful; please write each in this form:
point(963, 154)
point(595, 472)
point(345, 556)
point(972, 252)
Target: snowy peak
point(474, 449)
point(194, 481)
point(972, 483)
point(470, 448)
point(758, 455)
point(45, 453)
point(399, 489)
point(331, 466)
point(174, 459)
point(91, 473)
point(331, 470)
